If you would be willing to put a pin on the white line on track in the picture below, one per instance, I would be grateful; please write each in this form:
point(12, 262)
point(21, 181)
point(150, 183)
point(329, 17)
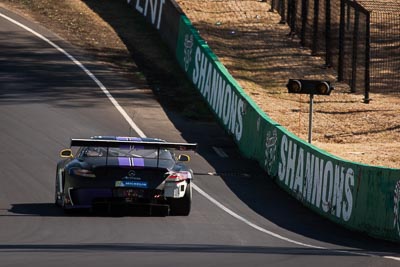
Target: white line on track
point(392, 258)
point(240, 218)
point(88, 72)
point(141, 134)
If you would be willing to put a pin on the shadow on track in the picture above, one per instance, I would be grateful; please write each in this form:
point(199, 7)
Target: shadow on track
point(51, 210)
point(184, 248)
point(34, 209)
point(29, 77)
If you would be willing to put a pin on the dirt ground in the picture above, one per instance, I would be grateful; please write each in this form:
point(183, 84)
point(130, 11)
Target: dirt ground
point(343, 125)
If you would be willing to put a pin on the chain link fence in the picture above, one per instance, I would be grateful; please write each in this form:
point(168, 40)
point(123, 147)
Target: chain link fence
point(385, 45)
point(354, 47)
point(361, 39)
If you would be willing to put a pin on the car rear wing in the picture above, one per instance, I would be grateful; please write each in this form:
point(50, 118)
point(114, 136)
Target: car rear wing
point(145, 144)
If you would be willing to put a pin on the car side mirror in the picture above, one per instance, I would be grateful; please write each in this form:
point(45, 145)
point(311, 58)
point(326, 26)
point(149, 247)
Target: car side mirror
point(66, 153)
point(183, 158)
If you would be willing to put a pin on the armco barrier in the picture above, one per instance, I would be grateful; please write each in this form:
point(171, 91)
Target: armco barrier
point(356, 196)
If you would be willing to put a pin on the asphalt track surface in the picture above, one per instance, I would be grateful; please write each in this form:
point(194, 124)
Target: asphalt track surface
point(239, 216)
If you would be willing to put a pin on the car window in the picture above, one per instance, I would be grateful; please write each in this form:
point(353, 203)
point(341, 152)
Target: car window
point(94, 152)
point(135, 152)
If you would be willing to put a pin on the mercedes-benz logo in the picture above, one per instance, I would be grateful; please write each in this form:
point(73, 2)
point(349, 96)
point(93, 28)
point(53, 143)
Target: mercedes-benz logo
point(131, 173)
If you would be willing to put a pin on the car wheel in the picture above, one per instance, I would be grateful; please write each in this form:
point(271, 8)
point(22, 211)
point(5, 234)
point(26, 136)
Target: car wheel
point(69, 211)
point(181, 206)
point(56, 200)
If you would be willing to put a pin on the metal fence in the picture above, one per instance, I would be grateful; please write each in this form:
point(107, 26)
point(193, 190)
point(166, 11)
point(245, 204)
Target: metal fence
point(354, 47)
point(361, 39)
point(385, 45)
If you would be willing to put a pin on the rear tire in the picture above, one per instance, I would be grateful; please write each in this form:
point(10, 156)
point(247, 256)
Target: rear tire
point(69, 212)
point(56, 200)
point(181, 206)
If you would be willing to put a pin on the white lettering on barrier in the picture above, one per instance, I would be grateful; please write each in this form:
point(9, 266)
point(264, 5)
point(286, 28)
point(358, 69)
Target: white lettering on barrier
point(323, 185)
point(396, 202)
point(320, 183)
point(327, 187)
point(188, 45)
point(225, 102)
point(156, 8)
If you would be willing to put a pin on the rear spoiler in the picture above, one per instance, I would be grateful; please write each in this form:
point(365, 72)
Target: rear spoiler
point(119, 143)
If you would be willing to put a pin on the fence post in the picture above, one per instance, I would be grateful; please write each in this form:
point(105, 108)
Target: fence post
point(272, 5)
point(341, 41)
point(348, 16)
point(282, 11)
point(367, 59)
point(355, 56)
point(328, 57)
point(304, 16)
point(290, 18)
point(293, 11)
point(315, 28)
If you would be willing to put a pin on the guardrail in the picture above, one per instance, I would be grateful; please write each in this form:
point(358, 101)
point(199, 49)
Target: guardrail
point(359, 197)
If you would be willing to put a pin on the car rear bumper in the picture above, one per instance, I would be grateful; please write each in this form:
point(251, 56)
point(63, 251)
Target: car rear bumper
point(90, 198)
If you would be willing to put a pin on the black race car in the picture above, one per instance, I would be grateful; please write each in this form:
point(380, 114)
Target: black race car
point(109, 172)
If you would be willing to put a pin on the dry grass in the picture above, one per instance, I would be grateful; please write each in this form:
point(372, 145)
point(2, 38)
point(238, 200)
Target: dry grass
point(261, 57)
point(343, 125)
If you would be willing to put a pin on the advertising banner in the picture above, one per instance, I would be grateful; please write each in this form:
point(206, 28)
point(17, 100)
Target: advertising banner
point(359, 197)
point(163, 15)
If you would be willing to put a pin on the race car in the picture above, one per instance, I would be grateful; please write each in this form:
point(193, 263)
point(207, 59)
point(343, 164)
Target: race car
point(110, 172)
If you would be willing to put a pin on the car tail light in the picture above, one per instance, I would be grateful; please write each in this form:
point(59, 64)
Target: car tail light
point(82, 172)
point(67, 200)
point(178, 176)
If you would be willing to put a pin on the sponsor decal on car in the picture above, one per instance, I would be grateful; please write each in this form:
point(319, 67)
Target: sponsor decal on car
point(130, 162)
point(131, 183)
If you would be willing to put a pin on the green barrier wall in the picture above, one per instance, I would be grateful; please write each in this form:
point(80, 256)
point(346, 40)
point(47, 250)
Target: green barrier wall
point(359, 197)
point(163, 15)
